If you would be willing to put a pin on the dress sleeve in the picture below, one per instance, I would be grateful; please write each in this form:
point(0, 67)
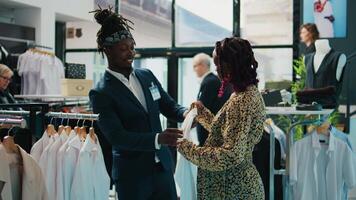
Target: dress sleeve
point(205, 118)
point(234, 148)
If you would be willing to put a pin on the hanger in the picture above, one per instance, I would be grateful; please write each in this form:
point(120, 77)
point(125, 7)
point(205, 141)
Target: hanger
point(50, 128)
point(67, 128)
point(47, 53)
point(76, 128)
point(267, 125)
point(324, 128)
point(92, 132)
point(9, 143)
point(61, 127)
point(83, 131)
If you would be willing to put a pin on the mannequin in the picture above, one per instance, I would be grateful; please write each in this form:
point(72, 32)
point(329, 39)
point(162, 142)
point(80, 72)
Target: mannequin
point(324, 70)
point(322, 48)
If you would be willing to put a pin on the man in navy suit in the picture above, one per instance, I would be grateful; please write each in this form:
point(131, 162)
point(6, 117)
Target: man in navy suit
point(129, 102)
point(208, 91)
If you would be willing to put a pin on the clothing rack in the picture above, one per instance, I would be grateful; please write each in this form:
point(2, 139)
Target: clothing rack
point(30, 43)
point(73, 116)
point(290, 136)
point(14, 122)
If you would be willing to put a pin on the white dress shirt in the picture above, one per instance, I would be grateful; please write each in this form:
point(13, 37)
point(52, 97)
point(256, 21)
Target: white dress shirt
point(70, 159)
point(319, 171)
point(44, 163)
point(134, 85)
point(33, 184)
point(51, 172)
point(60, 173)
point(91, 180)
point(39, 146)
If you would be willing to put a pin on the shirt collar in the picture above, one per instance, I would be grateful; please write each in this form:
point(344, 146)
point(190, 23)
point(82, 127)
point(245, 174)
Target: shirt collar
point(120, 76)
point(205, 75)
point(316, 142)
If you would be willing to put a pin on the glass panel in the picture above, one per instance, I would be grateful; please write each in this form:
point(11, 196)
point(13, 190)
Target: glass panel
point(202, 22)
point(159, 68)
point(188, 84)
point(274, 67)
point(152, 21)
point(267, 22)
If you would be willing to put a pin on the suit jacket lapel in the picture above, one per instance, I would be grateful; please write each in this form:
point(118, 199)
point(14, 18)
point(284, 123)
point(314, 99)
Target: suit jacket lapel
point(145, 84)
point(122, 89)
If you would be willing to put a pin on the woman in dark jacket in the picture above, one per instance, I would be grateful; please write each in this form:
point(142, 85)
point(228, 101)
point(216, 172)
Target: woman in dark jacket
point(5, 79)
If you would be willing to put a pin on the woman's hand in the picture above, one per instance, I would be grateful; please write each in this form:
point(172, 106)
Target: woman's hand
point(198, 105)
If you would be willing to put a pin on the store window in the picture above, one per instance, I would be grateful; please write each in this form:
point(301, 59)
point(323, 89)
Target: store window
point(152, 21)
point(274, 67)
point(188, 81)
point(202, 22)
point(267, 22)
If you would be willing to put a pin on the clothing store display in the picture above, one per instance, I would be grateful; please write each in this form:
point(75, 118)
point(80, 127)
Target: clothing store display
point(186, 173)
point(226, 170)
point(40, 73)
point(261, 161)
point(75, 71)
point(324, 96)
point(22, 176)
point(319, 167)
point(91, 180)
point(326, 74)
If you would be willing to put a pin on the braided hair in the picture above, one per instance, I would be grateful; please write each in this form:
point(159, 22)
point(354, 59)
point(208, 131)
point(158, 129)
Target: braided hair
point(111, 23)
point(236, 64)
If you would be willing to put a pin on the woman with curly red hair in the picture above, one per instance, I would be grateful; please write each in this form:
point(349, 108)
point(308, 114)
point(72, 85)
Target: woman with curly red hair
point(225, 163)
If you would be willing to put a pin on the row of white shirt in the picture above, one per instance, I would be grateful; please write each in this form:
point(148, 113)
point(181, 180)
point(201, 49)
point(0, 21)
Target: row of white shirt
point(20, 177)
point(320, 171)
point(41, 74)
point(73, 168)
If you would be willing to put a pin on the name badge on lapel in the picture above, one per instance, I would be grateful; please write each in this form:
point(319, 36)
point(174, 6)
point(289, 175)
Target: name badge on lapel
point(155, 92)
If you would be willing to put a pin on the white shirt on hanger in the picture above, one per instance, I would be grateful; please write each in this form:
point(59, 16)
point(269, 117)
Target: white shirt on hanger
point(59, 168)
point(6, 192)
point(33, 184)
point(69, 163)
point(307, 158)
point(52, 162)
point(44, 163)
point(91, 180)
point(39, 146)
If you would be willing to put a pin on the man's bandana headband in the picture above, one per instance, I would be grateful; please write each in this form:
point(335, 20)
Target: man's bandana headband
point(117, 37)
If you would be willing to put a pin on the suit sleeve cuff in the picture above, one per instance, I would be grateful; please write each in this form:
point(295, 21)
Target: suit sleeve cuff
point(157, 146)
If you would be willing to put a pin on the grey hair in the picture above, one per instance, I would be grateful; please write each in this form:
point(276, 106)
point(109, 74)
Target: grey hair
point(202, 58)
point(5, 69)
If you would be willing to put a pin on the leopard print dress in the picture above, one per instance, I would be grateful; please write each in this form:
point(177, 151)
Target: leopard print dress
point(225, 163)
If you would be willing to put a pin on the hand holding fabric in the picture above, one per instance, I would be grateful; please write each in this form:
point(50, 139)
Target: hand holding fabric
point(170, 136)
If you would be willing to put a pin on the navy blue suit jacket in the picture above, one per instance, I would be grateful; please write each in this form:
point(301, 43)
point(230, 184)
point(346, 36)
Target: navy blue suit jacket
point(131, 129)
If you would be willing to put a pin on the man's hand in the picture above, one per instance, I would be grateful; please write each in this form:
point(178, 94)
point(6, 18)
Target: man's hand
point(170, 136)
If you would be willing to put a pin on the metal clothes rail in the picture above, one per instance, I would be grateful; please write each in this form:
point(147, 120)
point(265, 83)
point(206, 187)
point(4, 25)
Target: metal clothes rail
point(72, 115)
point(14, 122)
